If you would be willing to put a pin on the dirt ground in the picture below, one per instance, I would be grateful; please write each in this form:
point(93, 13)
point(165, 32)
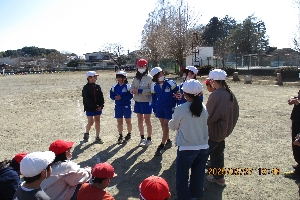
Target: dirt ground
point(38, 109)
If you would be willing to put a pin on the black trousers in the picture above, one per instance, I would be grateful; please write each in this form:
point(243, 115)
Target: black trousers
point(295, 148)
point(216, 153)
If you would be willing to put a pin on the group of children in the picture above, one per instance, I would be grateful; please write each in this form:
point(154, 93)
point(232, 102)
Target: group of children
point(151, 92)
point(52, 175)
point(201, 130)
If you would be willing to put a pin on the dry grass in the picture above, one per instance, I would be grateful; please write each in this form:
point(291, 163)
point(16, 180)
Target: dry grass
point(38, 109)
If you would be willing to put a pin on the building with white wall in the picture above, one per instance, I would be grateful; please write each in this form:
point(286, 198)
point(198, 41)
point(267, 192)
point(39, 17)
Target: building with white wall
point(97, 58)
point(200, 56)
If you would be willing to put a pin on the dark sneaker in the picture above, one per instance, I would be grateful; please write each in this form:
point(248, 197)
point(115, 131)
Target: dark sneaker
point(127, 138)
point(160, 151)
point(98, 140)
point(86, 137)
point(220, 182)
point(168, 145)
point(120, 140)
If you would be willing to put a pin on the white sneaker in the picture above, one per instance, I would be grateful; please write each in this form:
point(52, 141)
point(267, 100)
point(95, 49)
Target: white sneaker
point(147, 143)
point(142, 143)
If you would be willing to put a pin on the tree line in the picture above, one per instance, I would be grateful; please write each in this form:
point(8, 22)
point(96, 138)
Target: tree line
point(28, 51)
point(173, 31)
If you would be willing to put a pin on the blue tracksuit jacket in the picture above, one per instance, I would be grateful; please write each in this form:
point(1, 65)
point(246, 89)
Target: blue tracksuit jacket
point(163, 96)
point(124, 92)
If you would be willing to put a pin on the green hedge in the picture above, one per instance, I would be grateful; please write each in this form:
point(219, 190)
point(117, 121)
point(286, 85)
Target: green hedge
point(229, 71)
point(204, 70)
point(288, 72)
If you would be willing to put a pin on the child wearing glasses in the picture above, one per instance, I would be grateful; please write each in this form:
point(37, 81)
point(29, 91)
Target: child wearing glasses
point(93, 102)
point(122, 96)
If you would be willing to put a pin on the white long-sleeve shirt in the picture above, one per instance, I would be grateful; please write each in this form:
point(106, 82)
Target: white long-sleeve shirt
point(191, 130)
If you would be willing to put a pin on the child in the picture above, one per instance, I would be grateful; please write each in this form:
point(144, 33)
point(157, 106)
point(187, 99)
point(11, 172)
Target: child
point(35, 167)
point(102, 173)
point(189, 72)
point(295, 130)
point(163, 102)
point(154, 187)
point(67, 176)
point(141, 90)
point(209, 87)
point(10, 176)
point(93, 102)
point(122, 96)
point(223, 113)
point(190, 121)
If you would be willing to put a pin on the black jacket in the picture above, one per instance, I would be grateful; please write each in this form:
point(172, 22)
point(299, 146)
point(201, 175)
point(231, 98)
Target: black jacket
point(295, 115)
point(92, 97)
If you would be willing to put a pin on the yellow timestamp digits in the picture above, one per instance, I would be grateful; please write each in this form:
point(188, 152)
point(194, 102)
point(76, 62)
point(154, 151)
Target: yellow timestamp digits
point(266, 171)
point(229, 171)
point(242, 171)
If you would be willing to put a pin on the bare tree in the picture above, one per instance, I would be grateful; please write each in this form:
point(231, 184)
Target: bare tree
point(296, 39)
point(115, 48)
point(168, 33)
point(55, 59)
point(115, 51)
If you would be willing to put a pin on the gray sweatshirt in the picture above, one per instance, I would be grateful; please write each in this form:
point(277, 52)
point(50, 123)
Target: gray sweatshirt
point(191, 130)
point(223, 114)
point(143, 85)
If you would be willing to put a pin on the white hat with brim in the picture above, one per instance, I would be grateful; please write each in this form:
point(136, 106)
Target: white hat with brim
point(217, 74)
point(155, 70)
point(91, 73)
point(193, 69)
point(192, 86)
point(122, 73)
point(34, 163)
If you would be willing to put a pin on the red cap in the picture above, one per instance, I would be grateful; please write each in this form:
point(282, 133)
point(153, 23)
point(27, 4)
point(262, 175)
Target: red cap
point(103, 170)
point(207, 81)
point(60, 146)
point(142, 62)
point(154, 188)
point(20, 156)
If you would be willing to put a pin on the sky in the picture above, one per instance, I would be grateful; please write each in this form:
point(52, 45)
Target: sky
point(85, 26)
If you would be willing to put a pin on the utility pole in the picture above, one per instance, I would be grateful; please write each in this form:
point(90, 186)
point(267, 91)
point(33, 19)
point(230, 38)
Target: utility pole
point(195, 49)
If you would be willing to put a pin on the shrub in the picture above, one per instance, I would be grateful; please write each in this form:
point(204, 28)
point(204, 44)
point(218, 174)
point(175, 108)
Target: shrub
point(229, 71)
point(288, 72)
point(204, 70)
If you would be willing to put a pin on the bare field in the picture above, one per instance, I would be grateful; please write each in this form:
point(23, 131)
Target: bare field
point(38, 109)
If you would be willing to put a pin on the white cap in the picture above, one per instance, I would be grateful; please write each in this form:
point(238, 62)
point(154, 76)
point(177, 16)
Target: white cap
point(34, 163)
point(217, 74)
point(192, 86)
point(91, 73)
point(122, 73)
point(155, 70)
point(193, 69)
